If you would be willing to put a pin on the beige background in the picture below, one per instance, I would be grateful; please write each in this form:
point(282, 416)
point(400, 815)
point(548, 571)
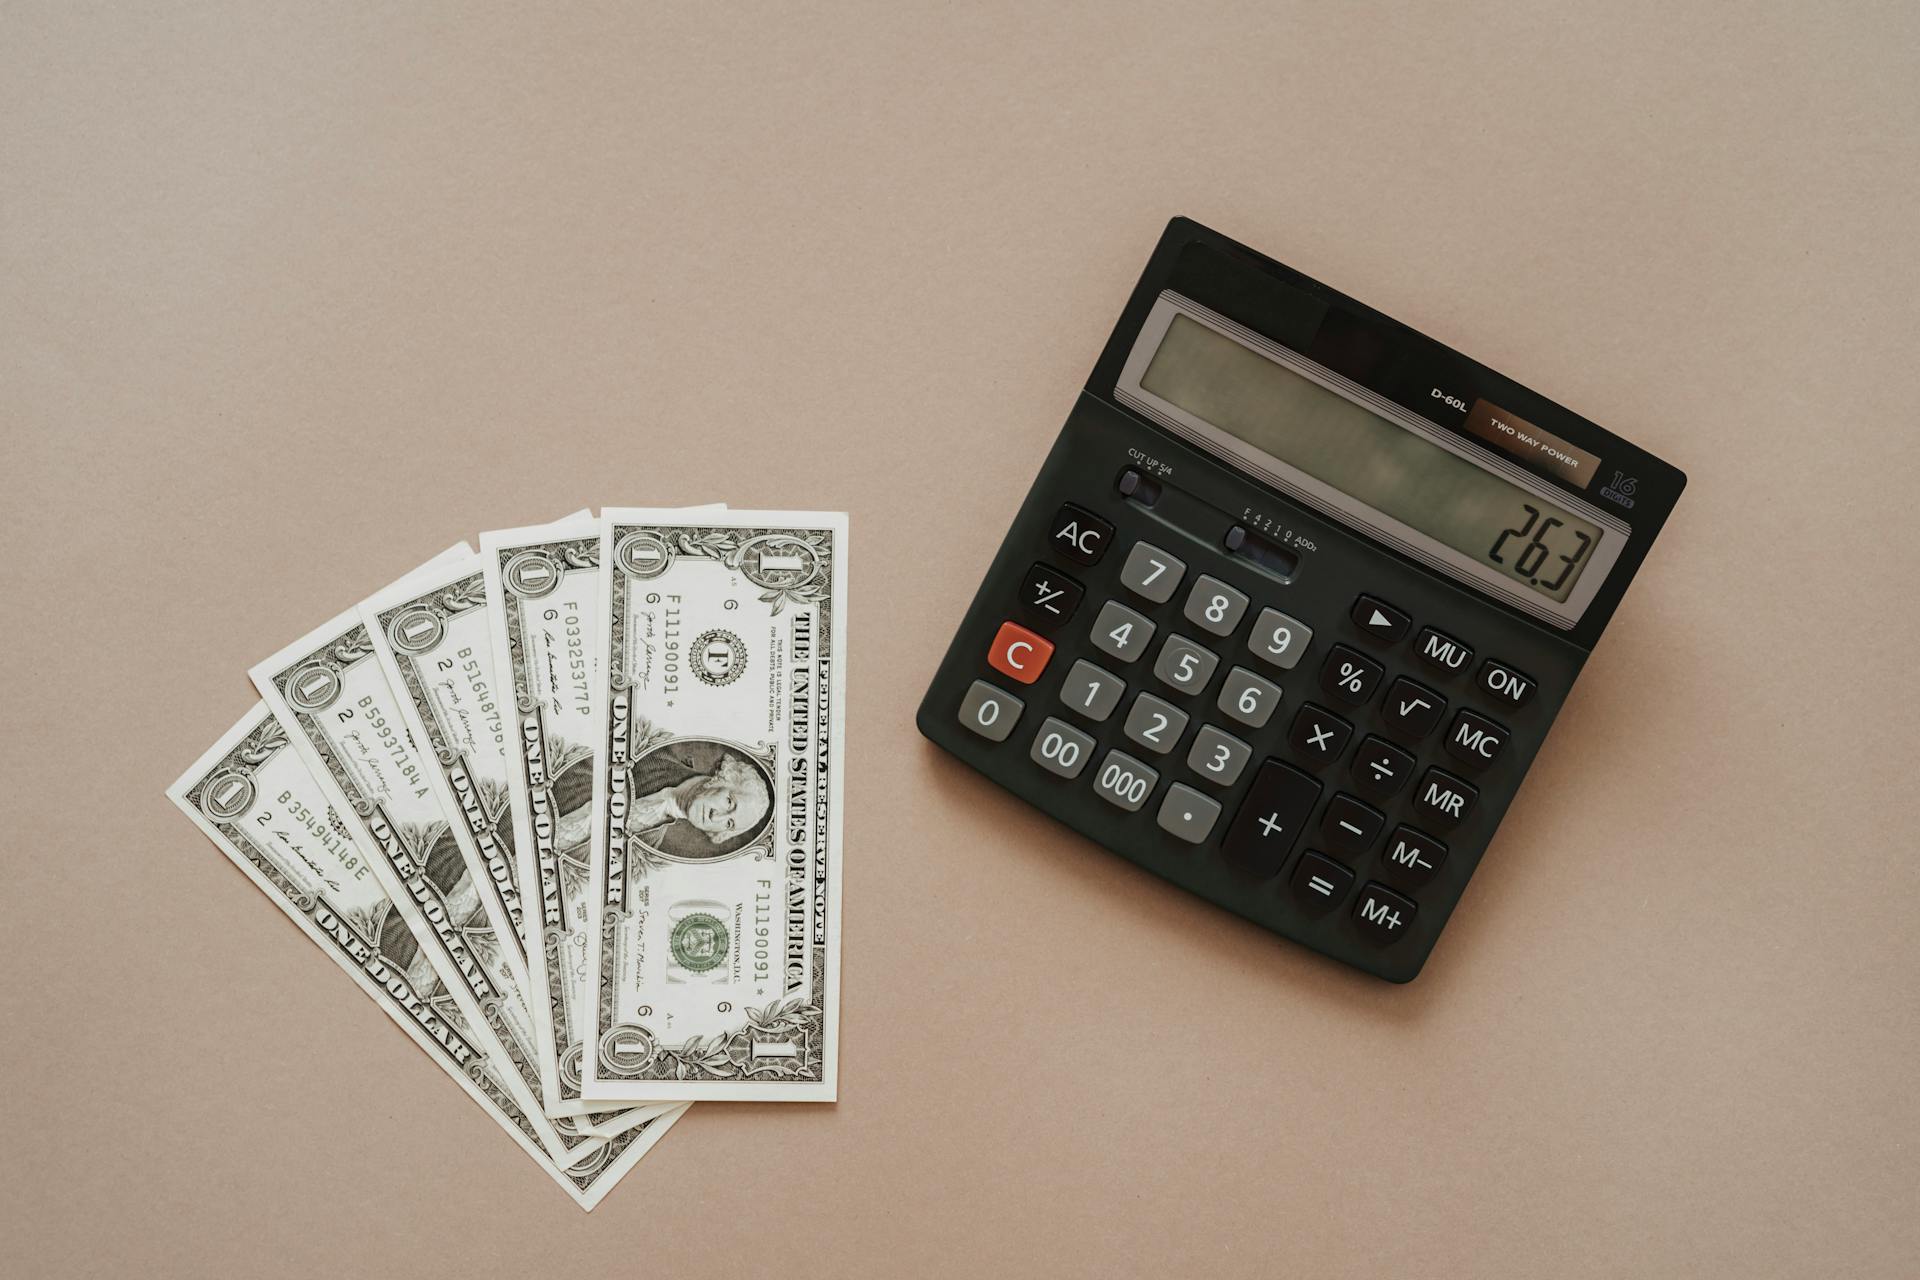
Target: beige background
point(291, 299)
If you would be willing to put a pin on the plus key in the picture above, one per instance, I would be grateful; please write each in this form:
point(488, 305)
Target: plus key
point(1270, 819)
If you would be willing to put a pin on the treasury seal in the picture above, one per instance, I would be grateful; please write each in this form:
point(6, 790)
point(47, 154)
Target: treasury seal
point(699, 943)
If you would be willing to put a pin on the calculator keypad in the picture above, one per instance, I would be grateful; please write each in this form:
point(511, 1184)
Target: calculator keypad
point(990, 711)
point(1248, 698)
point(1278, 639)
point(1217, 756)
point(1369, 816)
point(1185, 664)
point(1120, 633)
point(1152, 574)
point(1215, 607)
point(1155, 723)
point(1091, 692)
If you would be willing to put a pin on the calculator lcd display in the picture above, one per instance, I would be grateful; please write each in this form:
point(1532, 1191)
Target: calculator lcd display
point(1375, 462)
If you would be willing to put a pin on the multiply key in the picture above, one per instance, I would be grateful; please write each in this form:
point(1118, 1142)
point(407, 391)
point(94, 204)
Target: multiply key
point(1270, 819)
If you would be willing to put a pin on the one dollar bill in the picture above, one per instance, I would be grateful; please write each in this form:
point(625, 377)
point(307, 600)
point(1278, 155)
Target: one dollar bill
point(543, 606)
point(715, 840)
point(253, 797)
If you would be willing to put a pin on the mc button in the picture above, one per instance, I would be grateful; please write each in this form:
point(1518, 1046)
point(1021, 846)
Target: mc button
point(1475, 741)
point(1019, 653)
point(1079, 535)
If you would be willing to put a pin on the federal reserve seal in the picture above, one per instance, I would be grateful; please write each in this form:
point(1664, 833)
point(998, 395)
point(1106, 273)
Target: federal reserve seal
point(699, 943)
point(717, 657)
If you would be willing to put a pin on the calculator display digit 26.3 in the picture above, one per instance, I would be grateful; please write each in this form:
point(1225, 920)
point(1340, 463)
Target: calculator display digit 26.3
point(1372, 460)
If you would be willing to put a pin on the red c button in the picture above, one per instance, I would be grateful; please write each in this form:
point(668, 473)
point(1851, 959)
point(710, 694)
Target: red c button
point(1019, 653)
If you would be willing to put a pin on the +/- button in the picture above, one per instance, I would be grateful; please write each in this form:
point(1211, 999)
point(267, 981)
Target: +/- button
point(1379, 620)
point(1079, 535)
point(1048, 596)
point(1019, 653)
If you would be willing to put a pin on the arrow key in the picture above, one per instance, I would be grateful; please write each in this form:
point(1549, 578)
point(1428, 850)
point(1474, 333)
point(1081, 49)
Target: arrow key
point(1411, 710)
point(1379, 621)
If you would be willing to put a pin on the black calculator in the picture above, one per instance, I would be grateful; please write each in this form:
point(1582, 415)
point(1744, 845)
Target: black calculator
point(1292, 603)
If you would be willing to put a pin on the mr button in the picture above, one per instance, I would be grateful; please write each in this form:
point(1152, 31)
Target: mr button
point(1079, 535)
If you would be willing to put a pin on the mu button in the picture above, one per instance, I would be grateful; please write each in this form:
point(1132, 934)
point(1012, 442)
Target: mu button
point(1018, 653)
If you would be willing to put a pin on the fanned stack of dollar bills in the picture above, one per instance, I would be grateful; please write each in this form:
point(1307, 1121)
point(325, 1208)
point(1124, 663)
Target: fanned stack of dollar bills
point(568, 809)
